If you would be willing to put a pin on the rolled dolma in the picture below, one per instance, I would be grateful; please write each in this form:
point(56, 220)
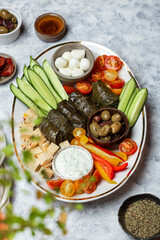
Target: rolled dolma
point(83, 104)
point(69, 111)
point(103, 96)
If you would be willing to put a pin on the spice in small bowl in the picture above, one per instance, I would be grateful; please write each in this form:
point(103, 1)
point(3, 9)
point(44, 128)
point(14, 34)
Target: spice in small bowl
point(50, 27)
point(139, 216)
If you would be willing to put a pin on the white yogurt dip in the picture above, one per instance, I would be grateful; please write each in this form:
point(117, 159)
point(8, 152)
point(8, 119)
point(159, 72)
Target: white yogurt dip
point(72, 163)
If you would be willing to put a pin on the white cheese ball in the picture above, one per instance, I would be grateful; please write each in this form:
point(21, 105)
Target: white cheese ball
point(67, 55)
point(73, 63)
point(76, 72)
point(60, 62)
point(84, 64)
point(77, 53)
point(66, 71)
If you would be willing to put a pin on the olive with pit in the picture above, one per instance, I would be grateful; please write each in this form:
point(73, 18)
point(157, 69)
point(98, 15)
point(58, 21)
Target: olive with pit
point(5, 14)
point(107, 138)
point(13, 19)
point(3, 30)
point(94, 128)
point(104, 131)
point(116, 127)
point(116, 117)
point(105, 115)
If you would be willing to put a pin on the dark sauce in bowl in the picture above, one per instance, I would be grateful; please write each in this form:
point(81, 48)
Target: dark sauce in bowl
point(50, 27)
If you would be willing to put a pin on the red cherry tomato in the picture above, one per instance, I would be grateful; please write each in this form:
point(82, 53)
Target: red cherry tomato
point(92, 187)
point(97, 74)
point(113, 62)
point(118, 83)
point(84, 87)
point(100, 62)
point(78, 187)
point(54, 184)
point(128, 146)
point(69, 89)
point(97, 176)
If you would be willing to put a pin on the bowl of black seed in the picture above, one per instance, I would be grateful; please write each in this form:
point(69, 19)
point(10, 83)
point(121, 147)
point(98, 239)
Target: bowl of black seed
point(139, 216)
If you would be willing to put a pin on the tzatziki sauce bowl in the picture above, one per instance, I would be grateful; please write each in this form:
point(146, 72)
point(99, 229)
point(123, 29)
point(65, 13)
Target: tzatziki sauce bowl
point(72, 163)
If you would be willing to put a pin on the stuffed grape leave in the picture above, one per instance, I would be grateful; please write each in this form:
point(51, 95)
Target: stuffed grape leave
point(51, 132)
point(83, 103)
point(103, 96)
point(58, 120)
point(69, 111)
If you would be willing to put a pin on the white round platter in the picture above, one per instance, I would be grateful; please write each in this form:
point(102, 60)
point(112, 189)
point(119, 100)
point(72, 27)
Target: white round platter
point(138, 133)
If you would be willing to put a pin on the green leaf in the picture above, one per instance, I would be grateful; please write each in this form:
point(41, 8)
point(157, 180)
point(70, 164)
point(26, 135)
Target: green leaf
point(27, 157)
point(49, 198)
point(47, 231)
point(28, 176)
point(38, 121)
point(8, 150)
point(79, 207)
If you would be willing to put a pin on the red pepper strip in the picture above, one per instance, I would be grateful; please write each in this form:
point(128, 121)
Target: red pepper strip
point(107, 151)
point(120, 168)
point(107, 167)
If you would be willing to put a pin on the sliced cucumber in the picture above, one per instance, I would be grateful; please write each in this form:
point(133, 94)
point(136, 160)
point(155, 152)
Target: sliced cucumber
point(54, 80)
point(31, 93)
point(124, 88)
point(32, 62)
point(39, 70)
point(136, 90)
point(127, 95)
point(136, 106)
point(25, 100)
point(42, 88)
point(25, 72)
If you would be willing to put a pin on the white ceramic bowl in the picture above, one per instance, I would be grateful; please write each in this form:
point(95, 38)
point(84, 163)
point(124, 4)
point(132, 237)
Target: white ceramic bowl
point(10, 37)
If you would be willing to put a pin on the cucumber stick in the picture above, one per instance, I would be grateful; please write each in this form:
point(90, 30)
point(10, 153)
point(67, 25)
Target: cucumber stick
point(39, 70)
point(31, 93)
point(127, 95)
point(54, 80)
point(124, 88)
point(42, 88)
point(136, 90)
point(136, 106)
point(25, 72)
point(32, 62)
point(25, 100)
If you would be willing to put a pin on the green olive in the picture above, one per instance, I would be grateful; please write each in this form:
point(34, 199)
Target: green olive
point(116, 117)
point(105, 115)
point(107, 138)
point(5, 14)
point(13, 19)
point(104, 131)
point(116, 127)
point(94, 128)
point(3, 30)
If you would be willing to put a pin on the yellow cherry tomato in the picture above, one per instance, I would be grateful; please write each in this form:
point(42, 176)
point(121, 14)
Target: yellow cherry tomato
point(110, 74)
point(79, 132)
point(75, 141)
point(67, 188)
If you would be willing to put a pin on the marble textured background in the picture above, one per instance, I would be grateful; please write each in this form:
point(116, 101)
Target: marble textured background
point(130, 28)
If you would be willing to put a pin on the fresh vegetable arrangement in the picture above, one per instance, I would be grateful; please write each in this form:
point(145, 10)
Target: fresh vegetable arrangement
point(64, 111)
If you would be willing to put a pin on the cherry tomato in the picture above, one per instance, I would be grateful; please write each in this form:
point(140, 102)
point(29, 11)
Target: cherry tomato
point(78, 187)
point(54, 184)
point(98, 75)
point(128, 146)
point(97, 176)
point(75, 141)
point(85, 182)
point(69, 89)
point(117, 91)
point(92, 187)
point(67, 188)
point(2, 61)
point(79, 132)
point(100, 62)
point(113, 62)
point(84, 87)
point(110, 75)
point(118, 83)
